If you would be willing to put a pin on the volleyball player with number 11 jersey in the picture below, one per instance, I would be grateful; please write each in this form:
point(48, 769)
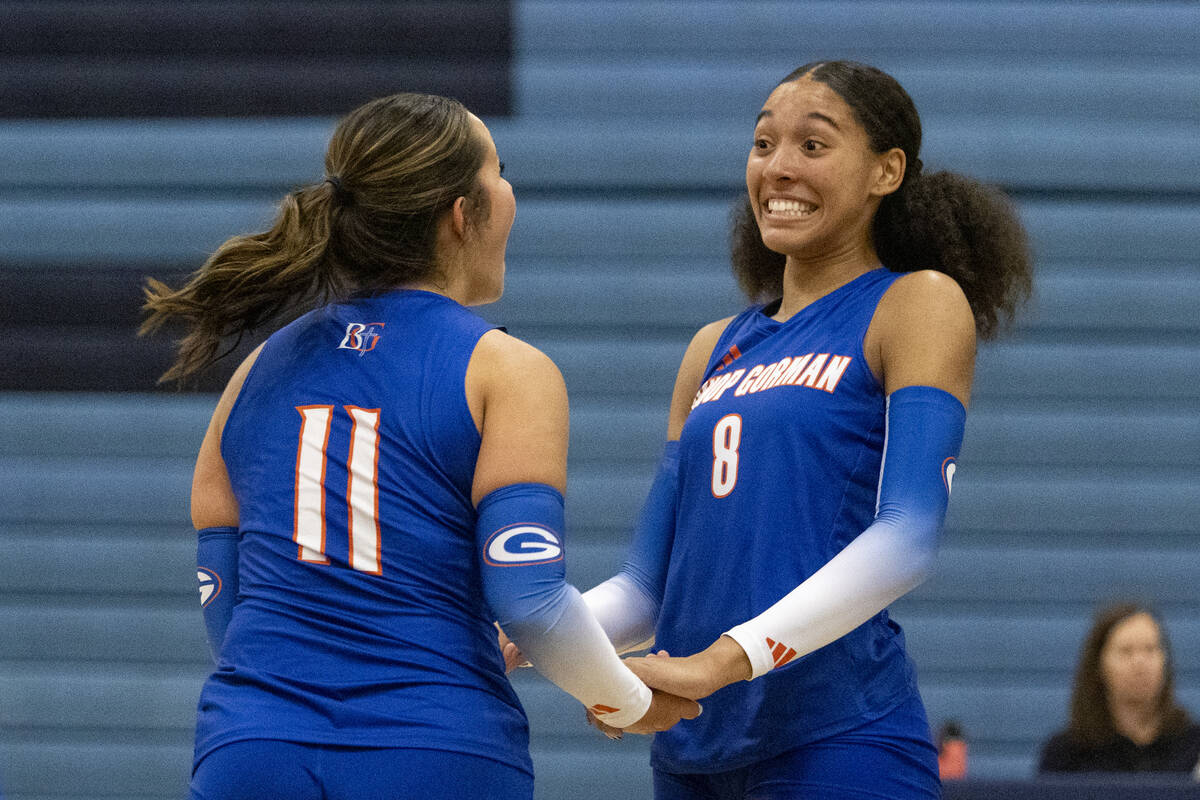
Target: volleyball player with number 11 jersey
point(381, 482)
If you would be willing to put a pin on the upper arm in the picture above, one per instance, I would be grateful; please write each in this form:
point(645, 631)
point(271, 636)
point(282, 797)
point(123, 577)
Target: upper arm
point(691, 372)
point(213, 502)
point(923, 334)
point(520, 402)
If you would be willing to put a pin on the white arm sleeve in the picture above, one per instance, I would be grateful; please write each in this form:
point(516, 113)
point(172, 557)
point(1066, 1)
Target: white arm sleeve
point(894, 554)
point(519, 533)
point(627, 604)
point(576, 655)
point(625, 612)
point(869, 574)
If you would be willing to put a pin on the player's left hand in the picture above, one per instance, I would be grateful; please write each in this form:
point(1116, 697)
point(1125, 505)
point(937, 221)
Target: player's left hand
point(696, 676)
point(513, 657)
point(607, 730)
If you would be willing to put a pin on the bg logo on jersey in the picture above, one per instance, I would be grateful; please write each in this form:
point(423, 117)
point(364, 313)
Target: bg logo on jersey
point(361, 336)
point(522, 544)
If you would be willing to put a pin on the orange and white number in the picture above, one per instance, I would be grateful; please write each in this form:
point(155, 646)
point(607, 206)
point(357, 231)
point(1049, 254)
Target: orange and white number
point(362, 486)
point(727, 435)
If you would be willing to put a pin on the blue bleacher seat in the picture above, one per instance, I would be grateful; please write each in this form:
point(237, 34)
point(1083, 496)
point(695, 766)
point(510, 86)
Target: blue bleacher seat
point(1082, 456)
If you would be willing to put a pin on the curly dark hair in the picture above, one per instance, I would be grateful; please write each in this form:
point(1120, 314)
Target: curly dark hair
point(1091, 719)
point(942, 221)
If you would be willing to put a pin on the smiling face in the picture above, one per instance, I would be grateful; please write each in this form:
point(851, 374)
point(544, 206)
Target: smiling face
point(813, 180)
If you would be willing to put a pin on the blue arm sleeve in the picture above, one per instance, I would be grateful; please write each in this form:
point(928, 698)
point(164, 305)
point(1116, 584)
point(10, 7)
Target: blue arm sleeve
point(519, 533)
point(627, 604)
point(650, 553)
point(893, 555)
point(523, 557)
point(217, 572)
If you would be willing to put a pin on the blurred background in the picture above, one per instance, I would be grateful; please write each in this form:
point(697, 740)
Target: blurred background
point(136, 136)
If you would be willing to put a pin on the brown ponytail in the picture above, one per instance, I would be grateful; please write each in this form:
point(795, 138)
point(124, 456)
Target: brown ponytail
point(396, 164)
point(248, 281)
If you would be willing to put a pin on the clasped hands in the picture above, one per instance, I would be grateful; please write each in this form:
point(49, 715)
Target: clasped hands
point(677, 682)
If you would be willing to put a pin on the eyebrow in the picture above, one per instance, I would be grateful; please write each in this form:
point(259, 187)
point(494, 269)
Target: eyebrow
point(766, 112)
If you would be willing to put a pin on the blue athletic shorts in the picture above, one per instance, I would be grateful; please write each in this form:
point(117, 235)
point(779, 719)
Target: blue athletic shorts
point(267, 769)
point(886, 759)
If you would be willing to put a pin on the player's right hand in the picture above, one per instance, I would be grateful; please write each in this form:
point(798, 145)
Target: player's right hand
point(664, 712)
point(696, 676)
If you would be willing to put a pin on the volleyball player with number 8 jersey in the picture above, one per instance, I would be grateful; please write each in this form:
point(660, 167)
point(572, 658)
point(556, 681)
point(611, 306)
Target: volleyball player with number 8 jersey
point(811, 452)
point(381, 482)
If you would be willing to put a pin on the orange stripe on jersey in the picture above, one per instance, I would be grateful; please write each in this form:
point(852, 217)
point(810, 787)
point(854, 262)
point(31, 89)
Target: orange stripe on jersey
point(733, 355)
point(599, 709)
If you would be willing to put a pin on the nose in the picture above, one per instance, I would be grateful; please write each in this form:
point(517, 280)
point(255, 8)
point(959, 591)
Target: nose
point(782, 166)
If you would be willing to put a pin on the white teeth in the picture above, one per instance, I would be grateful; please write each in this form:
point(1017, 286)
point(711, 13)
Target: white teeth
point(789, 208)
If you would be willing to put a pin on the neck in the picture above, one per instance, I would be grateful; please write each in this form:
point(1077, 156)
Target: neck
point(447, 282)
point(806, 280)
point(1136, 720)
point(430, 286)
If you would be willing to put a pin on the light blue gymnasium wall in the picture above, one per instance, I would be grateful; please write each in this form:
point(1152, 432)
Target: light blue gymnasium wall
point(1079, 472)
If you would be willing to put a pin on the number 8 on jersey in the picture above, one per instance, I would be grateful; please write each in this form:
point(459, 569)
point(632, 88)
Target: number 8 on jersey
point(727, 435)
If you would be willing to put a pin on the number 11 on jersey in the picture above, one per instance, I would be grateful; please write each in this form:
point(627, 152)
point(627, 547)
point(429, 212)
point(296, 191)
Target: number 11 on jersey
point(362, 486)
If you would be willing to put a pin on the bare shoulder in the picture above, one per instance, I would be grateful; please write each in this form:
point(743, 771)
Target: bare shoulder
point(518, 400)
point(706, 338)
point(923, 293)
point(703, 342)
point(499, 355)
point(212, 501)
point(923, 333)
point(503, 366)
point(926, 297)
point(233, 388)
point(691, 371)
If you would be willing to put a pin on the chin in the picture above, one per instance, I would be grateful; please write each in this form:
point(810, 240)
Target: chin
point(781, 243)
point(485, 296)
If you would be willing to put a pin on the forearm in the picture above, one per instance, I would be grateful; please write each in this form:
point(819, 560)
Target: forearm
point(574, 653)
point(893, 555)
point(520, 533)
point(627, 604)
point(878, 567)
point(217, 571)
point(625, 612)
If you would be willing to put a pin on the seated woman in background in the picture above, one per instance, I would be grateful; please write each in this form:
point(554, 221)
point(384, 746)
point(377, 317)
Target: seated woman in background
point(1124, 715)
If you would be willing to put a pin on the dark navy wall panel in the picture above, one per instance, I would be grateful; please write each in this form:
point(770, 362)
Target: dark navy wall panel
point(247, 59)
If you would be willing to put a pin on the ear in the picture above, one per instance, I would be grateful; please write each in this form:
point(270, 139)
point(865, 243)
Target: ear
point(890, 173)
point(458, 218)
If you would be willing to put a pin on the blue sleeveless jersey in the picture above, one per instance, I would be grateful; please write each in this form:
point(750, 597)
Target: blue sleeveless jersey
point(779, 466)
point(360, 618)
